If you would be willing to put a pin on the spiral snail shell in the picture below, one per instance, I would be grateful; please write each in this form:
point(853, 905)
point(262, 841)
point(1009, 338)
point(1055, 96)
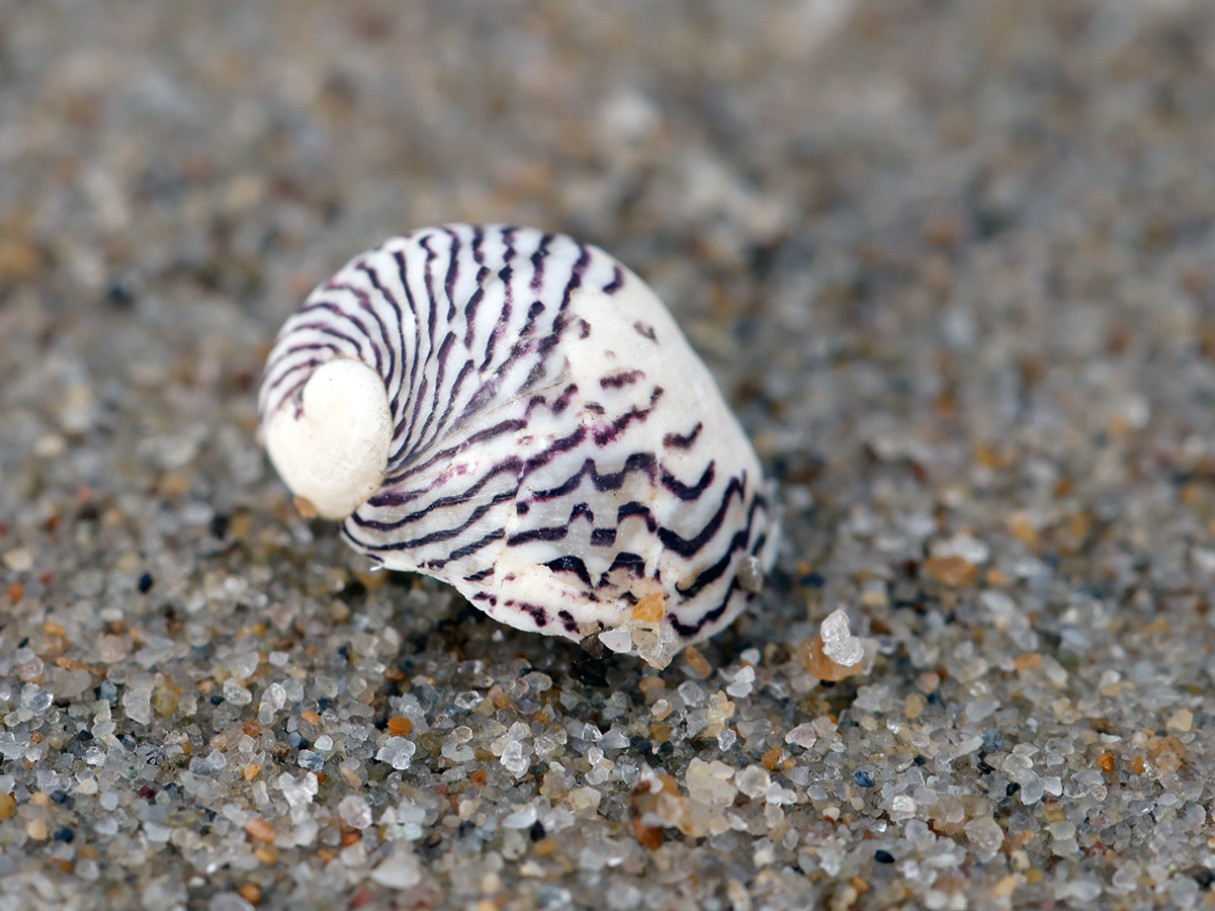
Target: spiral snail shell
point(517, 414)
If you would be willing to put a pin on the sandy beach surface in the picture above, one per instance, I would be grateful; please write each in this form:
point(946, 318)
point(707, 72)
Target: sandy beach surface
point(953, 265)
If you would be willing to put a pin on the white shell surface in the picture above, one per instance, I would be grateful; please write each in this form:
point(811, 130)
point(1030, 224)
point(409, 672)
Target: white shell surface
point(331, 446)
point(555, 449)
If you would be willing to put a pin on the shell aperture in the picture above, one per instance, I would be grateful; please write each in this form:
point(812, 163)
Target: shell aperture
point(517, 414)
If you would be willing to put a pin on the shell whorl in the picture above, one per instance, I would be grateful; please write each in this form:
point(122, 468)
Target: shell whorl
point(546, 441)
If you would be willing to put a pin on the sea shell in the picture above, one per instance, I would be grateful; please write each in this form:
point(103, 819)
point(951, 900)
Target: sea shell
point(517, 414)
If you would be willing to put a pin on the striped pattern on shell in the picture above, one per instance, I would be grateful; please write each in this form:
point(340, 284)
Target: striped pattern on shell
point(517, 413)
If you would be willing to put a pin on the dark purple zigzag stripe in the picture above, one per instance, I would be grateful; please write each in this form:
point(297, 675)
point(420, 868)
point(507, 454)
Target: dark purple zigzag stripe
point(624, 378)
point(400, 438)
point(509, 465)
point(505, 426)
point(737, 542)
point(465, 369)
point(687, 547)
point(571, 564)
point(468, 549)
point(324, 330)
point(547, 532)
point(453, 273)
point(617, 281)
point(373, 276)
point(690, 492)
point(538, 262)
point(505, 277)
point(675, 441)
point(433, 537)
point(339, 311)
point(611, 432)
point(625, 560)
point(638, 461)
point(440, 371)
point(366, 305)
point(277, 361)
point(474, 301)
